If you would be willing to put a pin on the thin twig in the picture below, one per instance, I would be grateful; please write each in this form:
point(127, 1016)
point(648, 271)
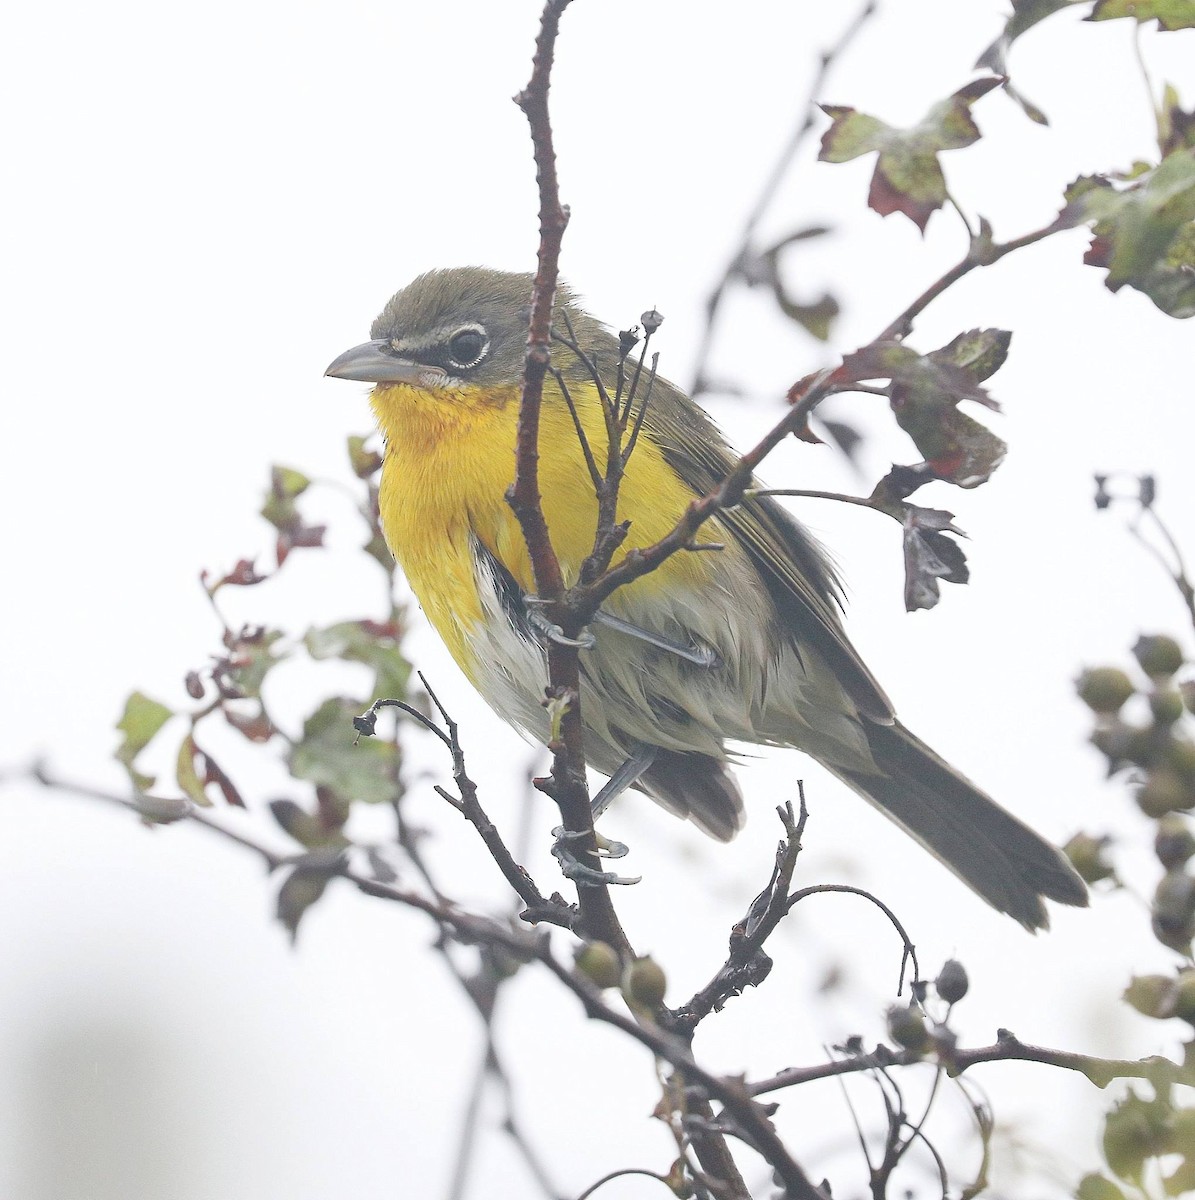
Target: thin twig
point(538, 907)
point(746, 965)
point(1101, 1071)
point(980, 253)
point(767, 194)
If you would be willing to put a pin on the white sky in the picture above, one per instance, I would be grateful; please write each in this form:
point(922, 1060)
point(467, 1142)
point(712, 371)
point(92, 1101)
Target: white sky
point(205, 206)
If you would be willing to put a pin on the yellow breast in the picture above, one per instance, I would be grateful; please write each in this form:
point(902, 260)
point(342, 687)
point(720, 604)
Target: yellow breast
point(450, 459)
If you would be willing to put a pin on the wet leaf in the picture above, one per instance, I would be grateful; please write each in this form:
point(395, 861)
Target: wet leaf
point(924, 393)
point(931, 556)
point(908, 177)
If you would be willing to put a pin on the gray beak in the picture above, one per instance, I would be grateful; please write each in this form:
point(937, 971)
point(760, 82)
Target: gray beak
point(375, 362)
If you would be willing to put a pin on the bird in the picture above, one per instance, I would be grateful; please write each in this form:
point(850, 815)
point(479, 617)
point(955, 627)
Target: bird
point(743, 644)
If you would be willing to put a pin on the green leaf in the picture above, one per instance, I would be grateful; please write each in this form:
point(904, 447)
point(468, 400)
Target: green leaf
point(299, 891)
point(251, 658)
point(1136, 1130)
point(287, 482)
point(908, 177)
point(326, 755)
point(140, 722)
point(186, 774)
point(1144, 231)
point(1176, 126)
point(282, 512)
point(363, 460)
point(1097, 1187)
point(1169, 14)
point(374, 643)
point(980, 352)
point(925, 392)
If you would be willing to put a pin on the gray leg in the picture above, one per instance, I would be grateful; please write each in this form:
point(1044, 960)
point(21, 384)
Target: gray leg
point(626, 776)
point(702, 657)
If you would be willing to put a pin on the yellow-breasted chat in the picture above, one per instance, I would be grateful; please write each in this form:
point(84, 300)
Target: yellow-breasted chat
point(745, 644)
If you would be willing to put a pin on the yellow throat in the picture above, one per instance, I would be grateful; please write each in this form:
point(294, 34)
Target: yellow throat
point(449, 461)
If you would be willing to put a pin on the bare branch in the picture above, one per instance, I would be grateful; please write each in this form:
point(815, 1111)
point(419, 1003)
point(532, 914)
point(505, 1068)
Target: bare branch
point(567, 783)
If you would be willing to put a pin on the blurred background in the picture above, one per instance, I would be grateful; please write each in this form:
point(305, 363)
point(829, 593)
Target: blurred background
point(206, 205)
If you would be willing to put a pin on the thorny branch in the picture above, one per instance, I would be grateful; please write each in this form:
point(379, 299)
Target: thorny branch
point(566, 785)
point(746, 965)
point(553, 910)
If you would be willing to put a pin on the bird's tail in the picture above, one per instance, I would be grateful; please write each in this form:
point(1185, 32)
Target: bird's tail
point(1003, 860)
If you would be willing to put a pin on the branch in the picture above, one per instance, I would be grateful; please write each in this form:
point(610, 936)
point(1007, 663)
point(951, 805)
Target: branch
point(539, 908)
point(1007, 1048)
point(566, 785)
point(982, 252)
point(801, 131)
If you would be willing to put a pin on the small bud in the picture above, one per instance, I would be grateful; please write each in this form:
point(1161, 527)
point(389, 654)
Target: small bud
point(1163, 791)
point(1184, 996)
point(599, 963)
point(1120, 741)
point(1174, 843)
point(1173, 911)
point(1131, 1136)
point(1096, 1187)
point(1086, 854)
point(1152, 995)
point(1104, 689)
point(651, 321)
point(1180, 754)
point(952, 982)
point(1160, 656)
point(644, 982)
point(906, 1027)
point(1166, 704)
point(194, 685)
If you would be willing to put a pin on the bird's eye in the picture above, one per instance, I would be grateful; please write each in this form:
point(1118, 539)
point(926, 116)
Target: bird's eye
point(467, 347)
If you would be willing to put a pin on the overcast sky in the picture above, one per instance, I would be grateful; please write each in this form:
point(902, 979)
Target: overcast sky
point(205, 206)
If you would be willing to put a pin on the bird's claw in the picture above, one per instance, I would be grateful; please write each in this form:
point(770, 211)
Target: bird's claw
point(577, 871)
point(552, 631)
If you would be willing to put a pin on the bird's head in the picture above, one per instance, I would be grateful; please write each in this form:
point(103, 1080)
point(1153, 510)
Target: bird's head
point(464, 327)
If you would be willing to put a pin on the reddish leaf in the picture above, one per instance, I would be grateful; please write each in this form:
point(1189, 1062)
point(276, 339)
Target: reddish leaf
point(908, 177)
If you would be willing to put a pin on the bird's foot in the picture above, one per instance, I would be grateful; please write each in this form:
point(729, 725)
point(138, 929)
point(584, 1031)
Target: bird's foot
point(551, 631)
point(572, 868)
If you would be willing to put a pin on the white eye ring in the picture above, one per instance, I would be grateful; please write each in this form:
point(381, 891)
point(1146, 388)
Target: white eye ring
point(467, 346)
